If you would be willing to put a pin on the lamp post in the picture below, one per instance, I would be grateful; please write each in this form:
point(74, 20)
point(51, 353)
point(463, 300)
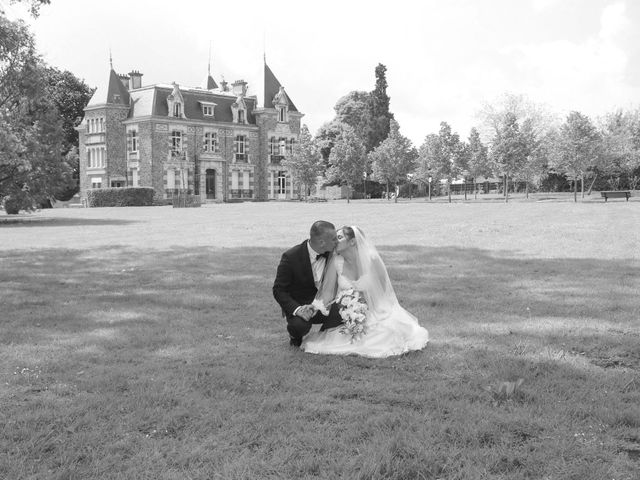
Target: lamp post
point(429, 180)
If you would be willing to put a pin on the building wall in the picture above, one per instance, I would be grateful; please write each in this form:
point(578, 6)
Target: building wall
point(154, 152)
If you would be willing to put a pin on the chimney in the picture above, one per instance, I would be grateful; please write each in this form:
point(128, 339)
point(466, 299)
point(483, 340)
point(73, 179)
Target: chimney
point(135, 79)
point(239, 87)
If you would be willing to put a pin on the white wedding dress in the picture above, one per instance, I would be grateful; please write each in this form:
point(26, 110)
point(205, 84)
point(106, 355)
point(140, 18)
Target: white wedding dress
point(390, 329)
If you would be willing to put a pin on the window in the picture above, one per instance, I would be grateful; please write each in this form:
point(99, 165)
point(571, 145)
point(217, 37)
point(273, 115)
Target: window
point(241, 116)
point(101, 125)
point(289, 147)
point(273, 146)
point(132, 141)
point(207, 110)
point(177, 109)
point(176, 141)
point(96, 157)
point(96, 182)
point(239, 147)
point(282, 114)
point(210, 143)
point(282, 146)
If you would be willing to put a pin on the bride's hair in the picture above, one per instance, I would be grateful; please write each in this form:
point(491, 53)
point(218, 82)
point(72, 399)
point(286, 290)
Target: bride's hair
point(348, 231)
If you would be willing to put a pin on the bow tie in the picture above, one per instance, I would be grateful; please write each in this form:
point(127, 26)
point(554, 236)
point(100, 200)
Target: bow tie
point(324, 255)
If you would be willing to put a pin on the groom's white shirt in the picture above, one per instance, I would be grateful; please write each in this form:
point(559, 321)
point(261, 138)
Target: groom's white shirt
point(317, 265)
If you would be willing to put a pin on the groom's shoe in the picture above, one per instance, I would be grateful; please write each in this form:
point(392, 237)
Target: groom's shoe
point(295, 342)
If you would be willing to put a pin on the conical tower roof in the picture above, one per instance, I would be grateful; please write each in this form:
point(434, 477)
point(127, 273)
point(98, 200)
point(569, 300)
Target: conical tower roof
point(113, 93)
point(271, 88)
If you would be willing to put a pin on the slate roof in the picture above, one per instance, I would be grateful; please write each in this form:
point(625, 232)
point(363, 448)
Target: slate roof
point(153, 101)
point(271, 87)
point(114, 93)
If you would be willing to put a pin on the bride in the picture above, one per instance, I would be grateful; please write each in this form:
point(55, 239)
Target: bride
point(388, 328)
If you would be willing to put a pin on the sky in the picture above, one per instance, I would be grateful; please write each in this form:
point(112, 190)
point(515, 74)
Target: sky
point(445, 59)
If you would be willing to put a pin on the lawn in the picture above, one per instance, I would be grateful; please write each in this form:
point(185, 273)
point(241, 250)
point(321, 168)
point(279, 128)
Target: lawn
point(144, 343)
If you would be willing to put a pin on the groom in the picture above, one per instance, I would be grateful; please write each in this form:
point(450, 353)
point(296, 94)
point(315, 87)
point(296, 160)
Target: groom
point(297, 280)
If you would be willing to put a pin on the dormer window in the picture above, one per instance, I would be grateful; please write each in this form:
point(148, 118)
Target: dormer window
point(281, 104)
point(239, 110)
point(207, 108)
point(175, 103)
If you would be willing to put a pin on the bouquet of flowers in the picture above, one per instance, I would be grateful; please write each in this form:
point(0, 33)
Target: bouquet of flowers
point(353, 310)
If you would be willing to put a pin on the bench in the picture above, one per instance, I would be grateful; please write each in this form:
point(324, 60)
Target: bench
point(616, 194)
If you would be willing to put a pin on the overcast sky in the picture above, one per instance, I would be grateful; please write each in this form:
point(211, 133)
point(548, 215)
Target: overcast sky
point(444, 58)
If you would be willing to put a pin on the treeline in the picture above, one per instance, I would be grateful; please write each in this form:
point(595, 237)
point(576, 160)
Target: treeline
point(516, 141)
point(39, 108)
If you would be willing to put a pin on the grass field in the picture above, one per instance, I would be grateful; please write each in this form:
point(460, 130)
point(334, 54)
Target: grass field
point(144, 343)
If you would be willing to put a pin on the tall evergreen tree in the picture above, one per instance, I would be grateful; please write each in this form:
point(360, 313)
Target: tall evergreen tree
point(381, 116)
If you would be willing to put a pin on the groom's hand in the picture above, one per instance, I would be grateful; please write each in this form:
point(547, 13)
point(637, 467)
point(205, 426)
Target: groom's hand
point(306, 312)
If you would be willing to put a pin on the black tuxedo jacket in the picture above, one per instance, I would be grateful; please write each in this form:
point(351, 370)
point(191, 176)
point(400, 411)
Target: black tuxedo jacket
point(294, 284)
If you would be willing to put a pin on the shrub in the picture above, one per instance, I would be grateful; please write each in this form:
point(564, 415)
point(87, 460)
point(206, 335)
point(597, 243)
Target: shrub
point(16, 201)
point(120, 197)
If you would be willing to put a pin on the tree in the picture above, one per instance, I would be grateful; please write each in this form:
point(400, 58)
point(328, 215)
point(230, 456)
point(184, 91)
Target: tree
point(509, 150)
point(449, 159)
point(393, 159)
point(347, 159)
point(34, 5)
point(429, 157)
point(354, 109)
point(478, 164)
point(381, 116)
point(621, 146)
point(535, 147)
point(32, 166)
point(306, 163)
point(578, 148)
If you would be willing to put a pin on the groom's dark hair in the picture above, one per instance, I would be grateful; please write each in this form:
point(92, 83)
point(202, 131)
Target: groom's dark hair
point(319, 227)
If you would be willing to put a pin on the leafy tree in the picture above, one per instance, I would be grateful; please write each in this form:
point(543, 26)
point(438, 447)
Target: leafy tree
point(70, 95)
point(478, 164)
point(32, 167)
point(347, 159)
point(621, 147)
point(354, 109)
point(577, 149)
point(34, 5)
point(451, 151)
point(306, 163)
point(536, 148)
point(326, 137)
point(430, 156)
point(393, 159)
point(509, 150)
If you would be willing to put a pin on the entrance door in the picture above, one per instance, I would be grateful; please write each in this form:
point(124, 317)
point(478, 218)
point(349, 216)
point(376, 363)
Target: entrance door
point(211, 184)
point(281, 188)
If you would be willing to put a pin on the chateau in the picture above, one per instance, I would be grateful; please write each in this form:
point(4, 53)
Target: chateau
point(217, 142)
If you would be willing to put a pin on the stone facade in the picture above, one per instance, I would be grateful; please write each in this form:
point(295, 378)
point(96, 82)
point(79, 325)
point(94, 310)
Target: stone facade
point(212, 142)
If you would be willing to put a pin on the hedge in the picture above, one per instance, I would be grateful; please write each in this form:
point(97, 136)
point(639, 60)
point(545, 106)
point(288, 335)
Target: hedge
point(120, 197)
